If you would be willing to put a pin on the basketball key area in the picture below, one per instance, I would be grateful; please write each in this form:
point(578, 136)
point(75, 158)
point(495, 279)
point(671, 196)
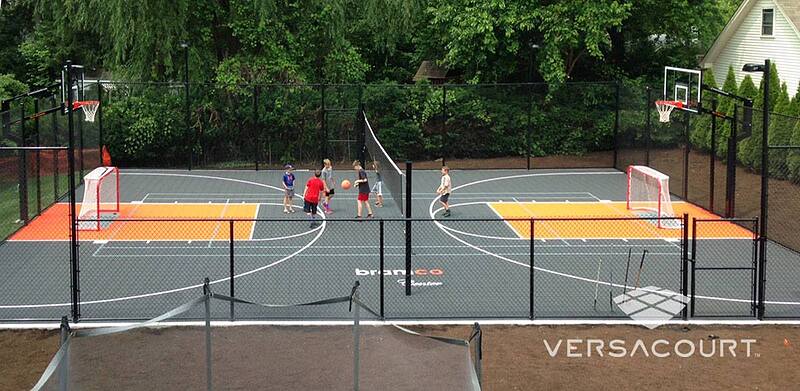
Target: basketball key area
point(574, 226)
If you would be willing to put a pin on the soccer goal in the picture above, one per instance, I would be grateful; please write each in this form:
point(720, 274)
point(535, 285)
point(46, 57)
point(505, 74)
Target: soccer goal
point(648, 190)
point(100, 194)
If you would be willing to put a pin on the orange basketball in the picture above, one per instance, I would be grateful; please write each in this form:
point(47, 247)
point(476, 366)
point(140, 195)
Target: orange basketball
point(346, 184)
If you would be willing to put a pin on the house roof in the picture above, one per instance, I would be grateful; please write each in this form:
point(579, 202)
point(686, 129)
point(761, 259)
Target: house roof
point(429, 70)
point(789, 8)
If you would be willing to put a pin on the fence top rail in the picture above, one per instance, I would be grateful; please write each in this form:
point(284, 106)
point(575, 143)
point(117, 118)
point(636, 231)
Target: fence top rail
point(363, 85)
point(34, 148)
point(724, 219)
point(543, 219)
point(784, 146)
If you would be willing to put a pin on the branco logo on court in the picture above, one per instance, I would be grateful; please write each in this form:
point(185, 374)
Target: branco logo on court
point(651, 306)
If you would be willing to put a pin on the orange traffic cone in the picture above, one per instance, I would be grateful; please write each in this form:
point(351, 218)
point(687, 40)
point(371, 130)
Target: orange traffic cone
point(106, 156)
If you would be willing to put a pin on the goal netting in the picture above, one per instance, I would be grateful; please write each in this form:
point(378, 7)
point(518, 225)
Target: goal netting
point(100, 194)
point(648, 190)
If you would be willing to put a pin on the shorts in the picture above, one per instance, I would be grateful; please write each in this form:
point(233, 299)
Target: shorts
point(363, 196)
point(289, 192)
point(444, 197)
point(377, 188)
point(310, 207)
point(330, 192)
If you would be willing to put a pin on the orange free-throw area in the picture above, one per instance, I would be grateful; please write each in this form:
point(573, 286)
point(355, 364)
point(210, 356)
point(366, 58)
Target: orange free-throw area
point(611, 229)
point(53, 224)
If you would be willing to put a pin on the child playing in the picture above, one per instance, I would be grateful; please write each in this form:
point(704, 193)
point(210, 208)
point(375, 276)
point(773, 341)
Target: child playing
point(288, 188)
point(377, 188)
point(363, 189)
point(444, 191)
point(327, 177)
point(311, 196)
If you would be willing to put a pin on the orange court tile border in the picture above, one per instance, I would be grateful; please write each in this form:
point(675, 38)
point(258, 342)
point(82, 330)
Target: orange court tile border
point(605, 229)
point(53, 224)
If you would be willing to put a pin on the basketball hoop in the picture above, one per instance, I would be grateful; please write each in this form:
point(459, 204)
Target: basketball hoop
point(665, 108)
point(89, 108)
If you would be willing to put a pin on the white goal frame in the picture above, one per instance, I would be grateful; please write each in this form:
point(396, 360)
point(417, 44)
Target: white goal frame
point(662, 206)
point(100, 197)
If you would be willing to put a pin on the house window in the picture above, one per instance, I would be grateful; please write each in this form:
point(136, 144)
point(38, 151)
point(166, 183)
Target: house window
point(767, 18)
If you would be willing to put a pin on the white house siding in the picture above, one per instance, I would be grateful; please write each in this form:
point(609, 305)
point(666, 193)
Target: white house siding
point(748, 46)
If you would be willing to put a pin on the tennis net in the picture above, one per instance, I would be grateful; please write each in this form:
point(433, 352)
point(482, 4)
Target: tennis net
point(391, 175)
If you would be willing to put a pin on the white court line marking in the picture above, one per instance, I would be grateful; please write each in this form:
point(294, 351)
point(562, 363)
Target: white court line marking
point(508, 224)
point(546, 225)
point(253, 227)
point(136, 202)
point(100, 241)
point(219, 223)
point(606, 201)
point(447, 232)
point(145, 197)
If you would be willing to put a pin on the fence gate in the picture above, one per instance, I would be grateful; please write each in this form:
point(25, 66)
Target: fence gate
point(723, 267)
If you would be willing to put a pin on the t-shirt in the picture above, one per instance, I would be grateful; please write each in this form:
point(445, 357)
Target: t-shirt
point(327, 176)
point(288, 180)
point(445, 184)
point(313, 187)
point(363, 187)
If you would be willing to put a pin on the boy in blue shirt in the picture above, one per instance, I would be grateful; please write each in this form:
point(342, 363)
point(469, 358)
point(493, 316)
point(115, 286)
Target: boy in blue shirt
point(288, 189)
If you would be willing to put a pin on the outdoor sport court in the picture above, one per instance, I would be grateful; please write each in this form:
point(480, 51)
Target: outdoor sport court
point(176, 227)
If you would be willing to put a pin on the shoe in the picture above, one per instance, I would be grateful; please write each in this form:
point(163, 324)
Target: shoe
point(291, 211)
point(446, 213)
point(369, 216)
point(328, 211)
point(286, 211)
point(377, 205)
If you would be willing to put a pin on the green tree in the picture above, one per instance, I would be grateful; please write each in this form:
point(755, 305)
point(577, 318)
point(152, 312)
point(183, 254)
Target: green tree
point(727, 106)
point(748, 89)
point(700, 134)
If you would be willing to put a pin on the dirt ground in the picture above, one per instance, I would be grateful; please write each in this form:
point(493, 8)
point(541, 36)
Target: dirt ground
point(514, 358)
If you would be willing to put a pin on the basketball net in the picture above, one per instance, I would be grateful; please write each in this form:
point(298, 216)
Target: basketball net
point(665, 108)
point(89, 108)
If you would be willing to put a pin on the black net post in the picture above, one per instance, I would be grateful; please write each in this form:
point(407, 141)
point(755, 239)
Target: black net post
point(207, 305)
point(362, 129)
point(713, 156)
point(648, 125)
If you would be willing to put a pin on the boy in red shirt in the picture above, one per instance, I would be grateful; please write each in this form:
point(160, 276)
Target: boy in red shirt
point(311, 196)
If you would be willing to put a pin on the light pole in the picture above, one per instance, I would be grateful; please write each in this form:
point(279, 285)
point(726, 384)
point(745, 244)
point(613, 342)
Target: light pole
point(190, 139)
point(762, 249)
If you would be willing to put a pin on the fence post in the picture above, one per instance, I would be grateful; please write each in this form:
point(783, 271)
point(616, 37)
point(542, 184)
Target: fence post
point(408, 226)
point(207, 302)
point(37, 129)
point(648, 126)
point(531, 271)
point(686, 148)
point(616, 120)
point(444, 124)
point(63, 375)
point(685, 262)
point(23, 167)
point(713, 157)
point(529, 130)
point(100, 141)
point(232, 268)
point(730, 181)
point(74, 261)
point(764, 185)
point(54, 125)
point(256, 131)
point(693, 261)
point(380, 273)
